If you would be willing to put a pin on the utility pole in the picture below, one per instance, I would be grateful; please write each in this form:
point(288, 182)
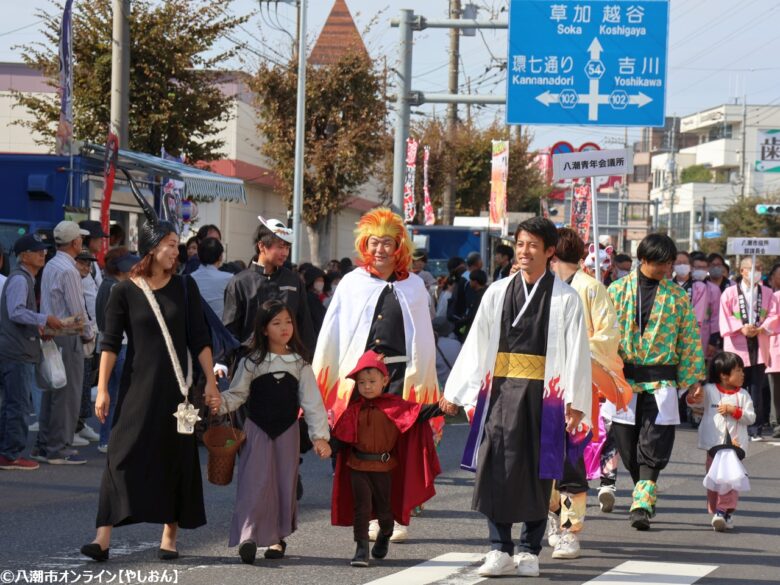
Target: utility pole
point(448, 203)
point(120, 71)
point(300, 130)
point(672, 177)
point(743, 158)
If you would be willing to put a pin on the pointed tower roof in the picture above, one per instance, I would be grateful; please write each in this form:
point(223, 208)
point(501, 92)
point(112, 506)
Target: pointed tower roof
point(339, 37)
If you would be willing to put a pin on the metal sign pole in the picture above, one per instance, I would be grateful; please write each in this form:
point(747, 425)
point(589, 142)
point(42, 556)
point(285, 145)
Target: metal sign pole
point(751, 309)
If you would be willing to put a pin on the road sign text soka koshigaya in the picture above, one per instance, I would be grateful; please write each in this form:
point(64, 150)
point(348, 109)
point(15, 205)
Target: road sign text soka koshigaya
point(598, 62)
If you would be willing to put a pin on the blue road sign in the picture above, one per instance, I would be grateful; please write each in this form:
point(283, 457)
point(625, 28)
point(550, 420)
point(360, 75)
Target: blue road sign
point(593, 62)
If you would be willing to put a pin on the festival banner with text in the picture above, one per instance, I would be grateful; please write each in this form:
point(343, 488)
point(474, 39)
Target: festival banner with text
point(498, 179)
point(410, 210)
point(430, 216)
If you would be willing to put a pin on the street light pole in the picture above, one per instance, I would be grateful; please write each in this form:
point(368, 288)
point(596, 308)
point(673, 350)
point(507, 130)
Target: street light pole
point(300, 135)
point(120, 71)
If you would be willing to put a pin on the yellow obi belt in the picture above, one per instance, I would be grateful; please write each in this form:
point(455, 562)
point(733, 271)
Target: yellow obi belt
point(519, 365)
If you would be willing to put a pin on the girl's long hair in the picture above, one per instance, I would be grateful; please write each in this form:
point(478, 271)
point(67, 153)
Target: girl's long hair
point(259, 346)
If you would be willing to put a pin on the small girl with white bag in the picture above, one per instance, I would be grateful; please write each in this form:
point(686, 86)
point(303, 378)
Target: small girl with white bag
point(727, 413)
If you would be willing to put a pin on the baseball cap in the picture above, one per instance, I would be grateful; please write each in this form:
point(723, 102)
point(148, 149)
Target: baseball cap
point(419, 254)
point(94, 227)
point(29, 243)
point(125, 263)
point(278, 229)
point(67, 231)
point(86, 256)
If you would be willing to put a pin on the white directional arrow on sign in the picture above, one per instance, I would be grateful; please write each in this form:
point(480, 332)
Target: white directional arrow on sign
point(640, 99)
point(547, 98)
point(595, 49)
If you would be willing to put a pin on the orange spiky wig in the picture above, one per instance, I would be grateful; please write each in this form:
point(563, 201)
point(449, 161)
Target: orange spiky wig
point(381, 223)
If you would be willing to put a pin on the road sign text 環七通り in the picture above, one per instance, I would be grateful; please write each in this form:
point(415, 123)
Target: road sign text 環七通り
point(597, 62)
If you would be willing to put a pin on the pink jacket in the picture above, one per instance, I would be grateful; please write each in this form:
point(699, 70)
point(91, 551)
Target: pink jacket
point(731, 323)
point(705, 298)
point(774, 345)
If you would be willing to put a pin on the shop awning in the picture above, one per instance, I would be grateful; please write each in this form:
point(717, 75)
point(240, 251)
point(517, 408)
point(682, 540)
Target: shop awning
point(197, 182)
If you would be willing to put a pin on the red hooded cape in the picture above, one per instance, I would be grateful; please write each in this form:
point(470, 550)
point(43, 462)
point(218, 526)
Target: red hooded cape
point(418, 464)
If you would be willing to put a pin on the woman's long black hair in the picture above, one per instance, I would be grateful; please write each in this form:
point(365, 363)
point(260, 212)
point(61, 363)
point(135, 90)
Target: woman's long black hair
point(259, 345)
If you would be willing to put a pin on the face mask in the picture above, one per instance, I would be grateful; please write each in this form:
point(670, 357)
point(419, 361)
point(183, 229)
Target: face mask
point(699, 274)
point(682, 269)
point(318, 286)
point(622, 273)
point(716, 271)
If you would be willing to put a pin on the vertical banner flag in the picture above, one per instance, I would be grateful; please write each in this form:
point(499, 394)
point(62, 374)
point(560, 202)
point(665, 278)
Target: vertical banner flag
point(430, 217)
point(65, 126)
point(498, 179)
point(411, 167)
point(580, 212)
point(768, 151)
point(109, 173)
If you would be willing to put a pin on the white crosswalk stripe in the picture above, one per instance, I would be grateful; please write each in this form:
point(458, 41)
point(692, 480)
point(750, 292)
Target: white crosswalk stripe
point(647, 573)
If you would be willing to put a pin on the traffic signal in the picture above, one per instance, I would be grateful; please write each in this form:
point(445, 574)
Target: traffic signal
point(768, 209)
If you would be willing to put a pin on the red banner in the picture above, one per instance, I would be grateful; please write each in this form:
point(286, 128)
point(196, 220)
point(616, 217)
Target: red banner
point(430, 217)
point(410, 209)
point(581, 212)
point(109, 173)
point(498, 179)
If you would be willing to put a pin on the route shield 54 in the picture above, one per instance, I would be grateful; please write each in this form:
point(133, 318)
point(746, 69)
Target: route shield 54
point(596, 62)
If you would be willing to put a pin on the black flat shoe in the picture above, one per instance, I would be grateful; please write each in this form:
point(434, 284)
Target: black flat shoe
point(381, 546)
point(361, 554)
point(167, 555)
point(93, 551)
point(640, 519)
point(247, 550)
point(272, 553)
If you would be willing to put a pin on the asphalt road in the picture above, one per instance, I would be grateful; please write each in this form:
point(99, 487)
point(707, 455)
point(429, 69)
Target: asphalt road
point(46, 515)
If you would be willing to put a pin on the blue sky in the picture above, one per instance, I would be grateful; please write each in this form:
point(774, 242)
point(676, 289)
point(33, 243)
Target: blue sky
point(718, 50)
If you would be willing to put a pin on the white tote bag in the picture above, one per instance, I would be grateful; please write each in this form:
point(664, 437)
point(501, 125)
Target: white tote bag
point(52, 368)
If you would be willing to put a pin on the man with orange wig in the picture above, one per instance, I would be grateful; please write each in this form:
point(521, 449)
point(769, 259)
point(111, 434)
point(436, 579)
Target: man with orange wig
point(383, 307)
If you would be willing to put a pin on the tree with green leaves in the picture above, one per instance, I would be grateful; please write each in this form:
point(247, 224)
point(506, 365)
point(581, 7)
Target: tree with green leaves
point(175, 99)
point(345, 136)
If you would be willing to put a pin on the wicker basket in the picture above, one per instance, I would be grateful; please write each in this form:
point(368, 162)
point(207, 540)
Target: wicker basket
point(222, 458)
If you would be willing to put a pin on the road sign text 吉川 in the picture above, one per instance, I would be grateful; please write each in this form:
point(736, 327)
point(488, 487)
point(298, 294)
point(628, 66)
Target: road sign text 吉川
point(597, 62)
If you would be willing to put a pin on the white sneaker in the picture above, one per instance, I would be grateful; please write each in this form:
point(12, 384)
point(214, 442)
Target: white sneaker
point(33, 428)
point(400, 533)
point(497, 564)
point(103, 447)
point(78, 441)
point(373, 530)
point(718, 522)
point(553, 529)
point(89, 434)
point(568, 546)
point(729, 521)
point(607, 498)
point(527, 564)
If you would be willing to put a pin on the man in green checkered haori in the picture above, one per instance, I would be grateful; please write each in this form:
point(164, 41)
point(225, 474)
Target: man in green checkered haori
point(662, 359)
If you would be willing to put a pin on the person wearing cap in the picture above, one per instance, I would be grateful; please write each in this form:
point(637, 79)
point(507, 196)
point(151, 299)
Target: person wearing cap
point(94, 244)
point(388, 462)
point(119, 262)
point(21, 327)
point(266, 279)
point(62, 295)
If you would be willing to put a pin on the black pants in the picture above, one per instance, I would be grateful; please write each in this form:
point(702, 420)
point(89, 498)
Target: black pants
point(575, 479)
point(754, 382)
point(371, 491)
point(531, 535)
point(644, 447)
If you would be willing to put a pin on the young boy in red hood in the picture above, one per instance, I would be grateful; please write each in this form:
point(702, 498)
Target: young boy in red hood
point(389, 459)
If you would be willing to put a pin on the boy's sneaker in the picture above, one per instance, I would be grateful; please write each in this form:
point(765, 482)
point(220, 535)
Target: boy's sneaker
point(729, 521)
point(18, 464)
point(497, 564)
point(39, 455)
point(66, 460)
point(568, 546)
point(103, 447)
point(400, 533)
point(373, 530)
point(89, 434)
point(755, 438)
point(553, 529)
point(719, 521)
point(527, 564)
point(33, 428)
point(607, 498)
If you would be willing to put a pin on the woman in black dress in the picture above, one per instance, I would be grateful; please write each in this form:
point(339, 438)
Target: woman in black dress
point(152, 472)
